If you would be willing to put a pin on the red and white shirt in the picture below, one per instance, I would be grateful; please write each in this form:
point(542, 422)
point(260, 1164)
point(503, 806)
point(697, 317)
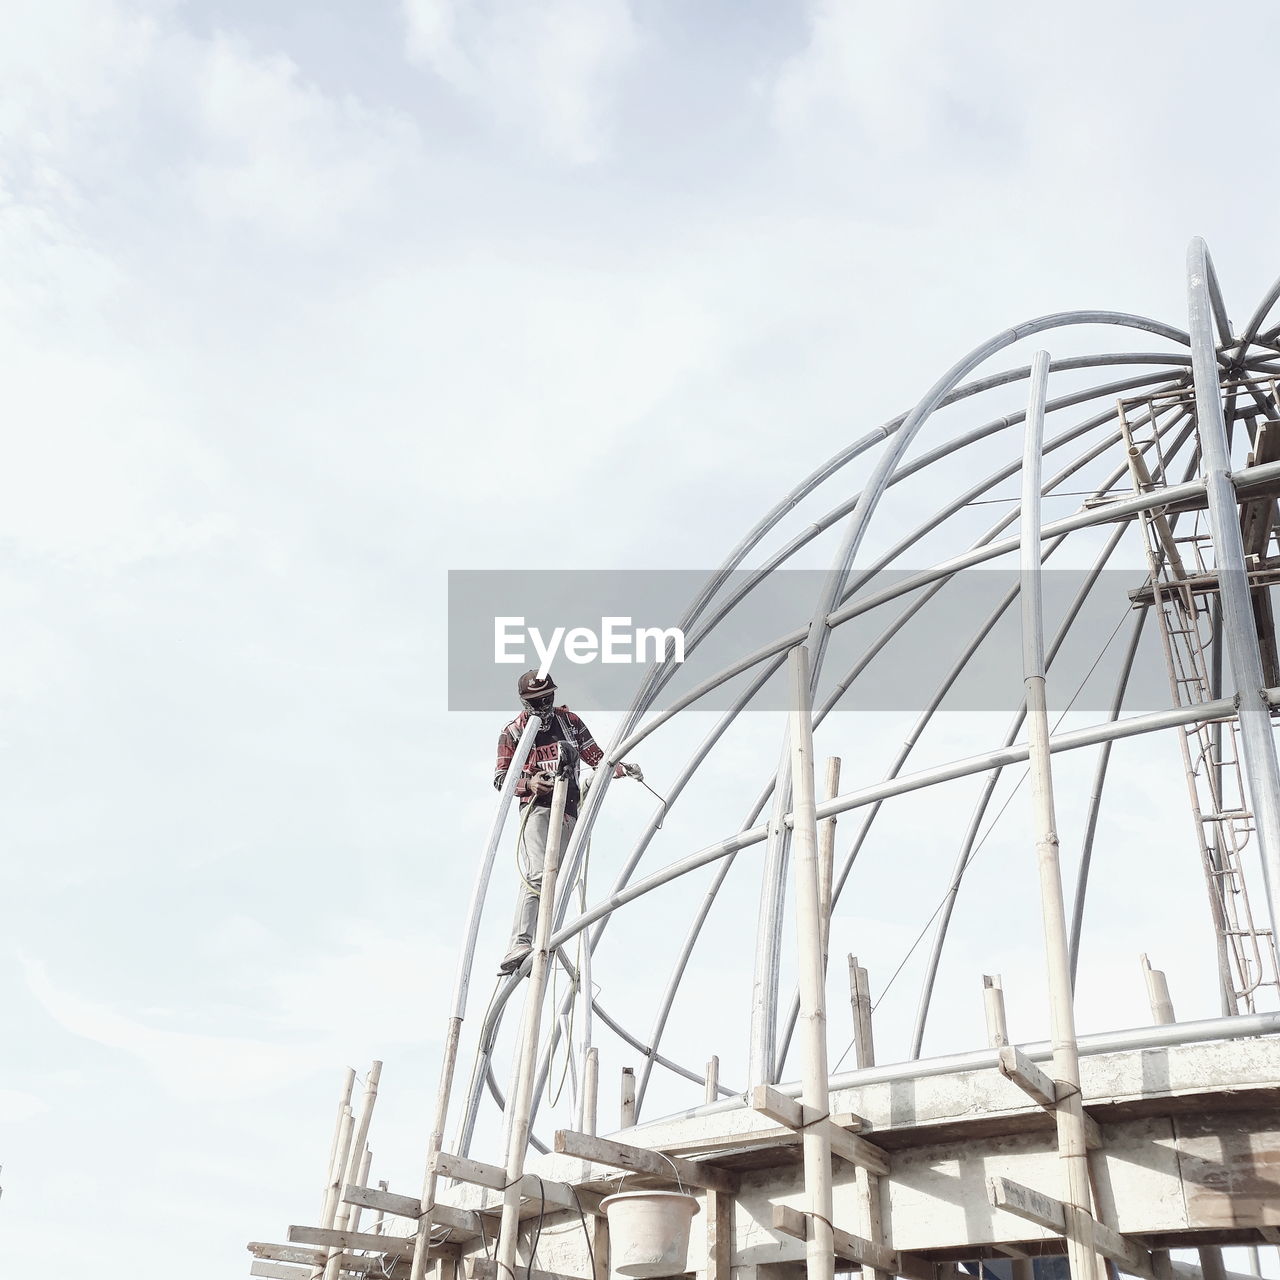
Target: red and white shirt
point(564, 726)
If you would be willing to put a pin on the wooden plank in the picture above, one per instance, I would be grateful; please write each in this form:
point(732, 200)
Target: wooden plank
point(1093, 1140)
point(719, 1236)
point(466, 1222)
point(865, 1253)
point(487, 1269)
point(858, 1151)
point(287, 1253)
point(1124, 1253)
point(330, 1239)
point(599, 1232)
point(871, 1203)
point(618, 1155)
point(396, 1205)
point(744, 1139)
point(1016, 1066)
point(1035, 1206)
point(476, 1172)
point(311, 1258)
point(559, 1194)
point(349, 1263)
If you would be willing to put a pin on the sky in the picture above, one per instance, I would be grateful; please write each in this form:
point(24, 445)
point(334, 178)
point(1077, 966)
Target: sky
point(303, 306)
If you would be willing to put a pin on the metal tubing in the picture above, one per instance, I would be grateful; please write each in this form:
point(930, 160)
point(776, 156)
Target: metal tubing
point(1259, 315)
point(1095, 793)
point(1257, 744)
point(1245, 479)
point(942, 451)
point(522, 1081)
point(826, 618)
point(1245, 1026)
point(461, 983)
point(651, 1056)
point(964, 855)
point(971, 833)
point(1090, 736)
point(1059, 639)
point(764, 1008)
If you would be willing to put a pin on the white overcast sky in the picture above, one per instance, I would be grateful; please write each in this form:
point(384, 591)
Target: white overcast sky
point(297, 303)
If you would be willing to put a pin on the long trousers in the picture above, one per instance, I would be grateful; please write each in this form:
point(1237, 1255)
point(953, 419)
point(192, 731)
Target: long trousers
point(531, 853)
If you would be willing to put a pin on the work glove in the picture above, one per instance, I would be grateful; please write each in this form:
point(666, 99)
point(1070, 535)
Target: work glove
point(633, 771)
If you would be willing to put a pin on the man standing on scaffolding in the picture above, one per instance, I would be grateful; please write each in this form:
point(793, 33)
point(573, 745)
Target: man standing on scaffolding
point(562, 741)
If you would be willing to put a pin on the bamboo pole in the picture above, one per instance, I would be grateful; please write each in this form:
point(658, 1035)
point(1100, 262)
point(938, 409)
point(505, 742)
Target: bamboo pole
point(461, 986)
point(590, 1090)
point(344, 1103)
point(820, 1245)
point(1081, 1252)
point(521, 1094)
point(383, 1185)
point(869, 1184)
point(351, 1166)
point(827, 856)
point(864, 1049)
point(1158, 994)
point(627, 1117)
point(362, 1180)
point(333, 1197)
point(993, 1004)
point(713, 1077)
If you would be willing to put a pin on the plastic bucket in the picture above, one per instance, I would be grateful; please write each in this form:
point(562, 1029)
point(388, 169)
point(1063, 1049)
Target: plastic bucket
point(649, 1232)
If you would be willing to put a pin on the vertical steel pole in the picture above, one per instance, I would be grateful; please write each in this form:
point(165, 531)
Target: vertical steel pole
point(1257, 744)
point(1081, 1253)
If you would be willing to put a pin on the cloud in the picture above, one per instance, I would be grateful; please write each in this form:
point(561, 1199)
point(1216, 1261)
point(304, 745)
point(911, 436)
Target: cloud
point(281, 154)
point(881, 66)
point(367, 986)
point(192, 1067)
point(17, 1106)
point(548, 67)
point(70, 67)
point(97, 90)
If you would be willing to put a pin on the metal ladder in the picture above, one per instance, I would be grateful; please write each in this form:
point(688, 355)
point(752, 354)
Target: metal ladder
point(1183, 594)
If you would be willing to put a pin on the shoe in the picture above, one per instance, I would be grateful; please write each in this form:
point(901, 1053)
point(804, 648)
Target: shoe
point(514, 958)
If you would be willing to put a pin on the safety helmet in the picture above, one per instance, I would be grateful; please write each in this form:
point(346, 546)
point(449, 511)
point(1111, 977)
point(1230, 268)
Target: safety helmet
point(536, 693)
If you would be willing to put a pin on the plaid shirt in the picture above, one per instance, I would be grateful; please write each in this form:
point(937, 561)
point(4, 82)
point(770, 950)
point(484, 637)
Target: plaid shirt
point(546, 751)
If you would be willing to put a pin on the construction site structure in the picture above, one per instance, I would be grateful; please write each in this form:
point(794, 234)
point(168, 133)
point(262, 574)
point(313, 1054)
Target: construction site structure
point(1091, 1154)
